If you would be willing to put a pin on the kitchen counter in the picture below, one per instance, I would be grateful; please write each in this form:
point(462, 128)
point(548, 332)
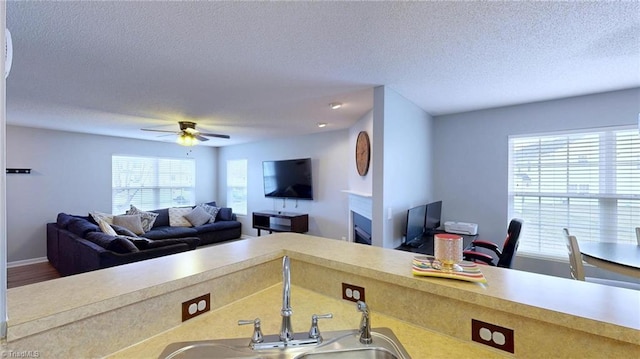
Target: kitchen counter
point(266, 304)
point(547, 314)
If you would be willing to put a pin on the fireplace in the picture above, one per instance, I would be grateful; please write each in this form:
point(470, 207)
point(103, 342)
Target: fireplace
point(360, 208)
point(361, 229)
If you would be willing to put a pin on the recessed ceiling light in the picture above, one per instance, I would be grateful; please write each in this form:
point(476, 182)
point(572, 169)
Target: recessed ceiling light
point(335, 105)
point(322, 124)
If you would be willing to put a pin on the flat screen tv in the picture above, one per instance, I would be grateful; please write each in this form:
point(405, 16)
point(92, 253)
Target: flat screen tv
point(414, 229)
point(432, 218)
point(288, 179)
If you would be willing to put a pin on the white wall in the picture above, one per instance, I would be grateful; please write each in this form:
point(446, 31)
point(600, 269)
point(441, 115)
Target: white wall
point(403, 166)
point(471, 154)
point(71, 173)
point(329, 153)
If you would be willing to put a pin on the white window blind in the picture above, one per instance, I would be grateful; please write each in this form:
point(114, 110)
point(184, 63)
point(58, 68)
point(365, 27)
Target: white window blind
point(586, 181)
point(151, 182)
point(237, 185)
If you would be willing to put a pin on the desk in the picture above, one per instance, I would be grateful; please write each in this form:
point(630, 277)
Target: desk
point(426, 247)
point(623, 258)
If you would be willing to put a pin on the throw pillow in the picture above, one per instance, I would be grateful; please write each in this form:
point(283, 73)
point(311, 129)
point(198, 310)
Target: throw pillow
point(147, 218)
point(116, 244)
point(212, 210)
point(106, 228)
point(131, 222)
point(225, 214)
point(121, 231)
point(101, 216)
point(198, 216)
point(176, 217)
point(122, 245)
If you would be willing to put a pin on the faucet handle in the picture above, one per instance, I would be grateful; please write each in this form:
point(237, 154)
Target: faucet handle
point(314, 332)
point(257, 336)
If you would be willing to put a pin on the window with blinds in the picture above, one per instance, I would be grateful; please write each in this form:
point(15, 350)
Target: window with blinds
point(151, 182)
point(587, 181)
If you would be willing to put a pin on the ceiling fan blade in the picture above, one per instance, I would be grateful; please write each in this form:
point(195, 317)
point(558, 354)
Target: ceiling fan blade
point(153, 130)
point(214, 135)
point(200, 138)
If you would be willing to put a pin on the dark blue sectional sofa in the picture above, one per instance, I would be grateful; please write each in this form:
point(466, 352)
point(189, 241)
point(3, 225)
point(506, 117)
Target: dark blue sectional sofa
point(75, 244)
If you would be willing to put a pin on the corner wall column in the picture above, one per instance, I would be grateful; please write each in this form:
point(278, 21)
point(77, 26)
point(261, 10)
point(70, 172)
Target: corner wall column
point(3, 183)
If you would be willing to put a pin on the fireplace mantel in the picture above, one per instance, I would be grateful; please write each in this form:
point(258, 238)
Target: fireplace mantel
point(357, 193)
point(360, 203)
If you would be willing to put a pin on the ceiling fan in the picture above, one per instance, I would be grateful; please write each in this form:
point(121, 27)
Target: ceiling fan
point(188, 135)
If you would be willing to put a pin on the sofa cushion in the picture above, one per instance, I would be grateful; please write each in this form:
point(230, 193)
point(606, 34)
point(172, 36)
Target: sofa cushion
point(170, 232)
point(80, 227)
point(225, 214)
point(176, 216)
point(192, 242)
point(162, 220)
point(130, 221)
point(106, 228)
point(217, 226)
point(140, 242)
point(118, 244)
point(63, 220)
point(198, 216)
point(212, 210)
point(147, 218)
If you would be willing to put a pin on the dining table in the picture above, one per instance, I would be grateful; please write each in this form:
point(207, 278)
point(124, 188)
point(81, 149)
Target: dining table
point(622, 258)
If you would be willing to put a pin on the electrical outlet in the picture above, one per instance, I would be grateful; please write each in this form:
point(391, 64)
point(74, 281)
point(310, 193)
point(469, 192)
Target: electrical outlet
point(196, 306)
point(492, 335)
point(352, 292)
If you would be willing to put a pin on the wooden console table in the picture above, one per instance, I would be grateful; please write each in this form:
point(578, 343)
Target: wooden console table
point(287, 221)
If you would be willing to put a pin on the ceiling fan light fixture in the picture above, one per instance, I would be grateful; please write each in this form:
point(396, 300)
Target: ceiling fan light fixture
point(335, 105)
point(187, 139)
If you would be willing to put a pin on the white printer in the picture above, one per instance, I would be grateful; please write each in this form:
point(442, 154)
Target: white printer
point(461, 228)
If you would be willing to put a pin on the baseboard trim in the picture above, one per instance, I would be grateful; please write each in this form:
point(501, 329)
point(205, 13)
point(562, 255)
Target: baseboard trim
point(26, 262)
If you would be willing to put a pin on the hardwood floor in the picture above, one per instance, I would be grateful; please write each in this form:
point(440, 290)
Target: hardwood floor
point(32, 273)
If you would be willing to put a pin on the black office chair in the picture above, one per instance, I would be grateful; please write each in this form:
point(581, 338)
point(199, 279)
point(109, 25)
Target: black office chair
point(504, 256)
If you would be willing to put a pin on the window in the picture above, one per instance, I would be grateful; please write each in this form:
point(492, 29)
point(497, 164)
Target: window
point(586, 181)
point(151, 182)
point(237, 186)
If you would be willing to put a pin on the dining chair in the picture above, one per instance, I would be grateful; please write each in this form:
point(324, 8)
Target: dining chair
point(577, 268)
point(504, 256)
point(638, 235)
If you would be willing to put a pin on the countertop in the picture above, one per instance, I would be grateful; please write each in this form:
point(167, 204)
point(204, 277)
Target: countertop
point(266, 304)
point(536, 306)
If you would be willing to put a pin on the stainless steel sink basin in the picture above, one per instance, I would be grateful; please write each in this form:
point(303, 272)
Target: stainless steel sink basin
point(366, 353)
point(336, 345)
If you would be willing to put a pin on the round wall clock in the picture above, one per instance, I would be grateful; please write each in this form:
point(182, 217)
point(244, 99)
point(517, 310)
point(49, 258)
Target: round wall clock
point(363, 153)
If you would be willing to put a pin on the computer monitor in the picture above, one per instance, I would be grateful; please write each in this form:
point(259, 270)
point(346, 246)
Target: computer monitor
point(414, 229)
point(432, 216)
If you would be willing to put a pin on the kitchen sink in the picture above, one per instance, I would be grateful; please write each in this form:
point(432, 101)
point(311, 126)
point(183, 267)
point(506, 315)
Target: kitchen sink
point(335, 345)
point(366, 353)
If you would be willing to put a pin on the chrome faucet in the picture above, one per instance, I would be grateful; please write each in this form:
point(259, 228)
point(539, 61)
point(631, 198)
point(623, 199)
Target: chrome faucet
point(286, 331)
point(365, 323)
point(285, 338)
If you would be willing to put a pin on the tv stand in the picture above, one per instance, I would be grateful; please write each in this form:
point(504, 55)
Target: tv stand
point(280, 221)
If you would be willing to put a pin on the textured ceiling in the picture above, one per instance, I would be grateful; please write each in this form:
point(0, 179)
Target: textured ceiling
point(257, 70)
